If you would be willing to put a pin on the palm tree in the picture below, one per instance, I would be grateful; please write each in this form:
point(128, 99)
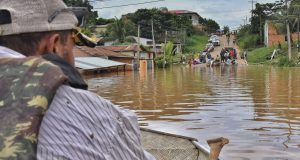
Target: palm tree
point(121, 28)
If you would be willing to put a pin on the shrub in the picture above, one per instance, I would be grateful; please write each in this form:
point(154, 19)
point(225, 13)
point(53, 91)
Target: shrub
point(159, 61)
point(249, 41)
point(285, 62)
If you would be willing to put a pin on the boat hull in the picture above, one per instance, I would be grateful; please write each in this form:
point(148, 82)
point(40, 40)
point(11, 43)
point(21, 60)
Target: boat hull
point(165, 146)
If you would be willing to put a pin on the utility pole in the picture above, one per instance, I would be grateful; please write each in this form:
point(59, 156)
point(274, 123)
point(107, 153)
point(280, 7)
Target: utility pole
point(166, 35)
point(252, 1)
point(298, 32)
point(153, 40)
point(288, 32)
point(138, 52)
point(260, 29)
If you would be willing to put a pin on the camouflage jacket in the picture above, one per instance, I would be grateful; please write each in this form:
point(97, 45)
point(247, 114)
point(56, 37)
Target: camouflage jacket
point(28, 86)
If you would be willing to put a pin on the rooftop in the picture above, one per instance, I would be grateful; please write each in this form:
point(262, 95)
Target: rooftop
point(83, 51)
point(182, 12)
point(129, 48)
point(92, 63)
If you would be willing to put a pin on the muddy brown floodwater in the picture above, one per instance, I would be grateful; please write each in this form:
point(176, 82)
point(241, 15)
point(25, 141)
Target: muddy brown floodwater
point(256, 107)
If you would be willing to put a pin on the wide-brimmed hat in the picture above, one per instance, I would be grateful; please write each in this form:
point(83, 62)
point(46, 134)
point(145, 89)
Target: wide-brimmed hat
point(29, 16)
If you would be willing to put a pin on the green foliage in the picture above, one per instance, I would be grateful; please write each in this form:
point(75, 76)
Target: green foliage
point(86, 31)
point(246, 39)
point(244, 31)
point(91, 18)
point(103, 21)
point(195, 44)
point(249, 41)
point(178, 58)
point(226, 29)
point(259, 55)
point(127, 41)
point(159, 61)
point(212, 25)
point(162, 21)
point(261, 13)
point(168, 48)
point(167, 58)
point(285, 62)
point(120, 29)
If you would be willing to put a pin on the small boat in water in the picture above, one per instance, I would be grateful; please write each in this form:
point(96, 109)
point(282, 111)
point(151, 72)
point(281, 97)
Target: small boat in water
point(166, 146)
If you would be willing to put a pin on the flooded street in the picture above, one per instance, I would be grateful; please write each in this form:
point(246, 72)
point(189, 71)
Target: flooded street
point(256, 107)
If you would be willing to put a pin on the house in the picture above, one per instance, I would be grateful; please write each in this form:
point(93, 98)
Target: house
point(131, 51)
point(193, 16)
point(81, 52)
point(146, 56)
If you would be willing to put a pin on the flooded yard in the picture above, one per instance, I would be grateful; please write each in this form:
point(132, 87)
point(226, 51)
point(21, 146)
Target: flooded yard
point(256, 107)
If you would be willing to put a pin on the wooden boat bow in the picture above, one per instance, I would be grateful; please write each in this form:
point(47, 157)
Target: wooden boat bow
point(216, 146)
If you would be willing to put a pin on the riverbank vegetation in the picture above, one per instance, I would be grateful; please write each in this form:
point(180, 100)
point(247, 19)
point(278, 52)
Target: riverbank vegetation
point(251, 37)
point(263, 55)
point(196, 43)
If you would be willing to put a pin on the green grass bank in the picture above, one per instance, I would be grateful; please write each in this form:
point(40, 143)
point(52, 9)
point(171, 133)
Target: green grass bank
point(196, 43)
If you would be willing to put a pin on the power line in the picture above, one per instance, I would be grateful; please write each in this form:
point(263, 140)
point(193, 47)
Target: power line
point(132, 4)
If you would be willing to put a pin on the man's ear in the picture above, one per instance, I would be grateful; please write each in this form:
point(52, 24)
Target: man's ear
point(53, 44)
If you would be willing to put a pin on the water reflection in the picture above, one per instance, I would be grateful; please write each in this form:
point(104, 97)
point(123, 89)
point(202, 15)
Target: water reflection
point(256, 107)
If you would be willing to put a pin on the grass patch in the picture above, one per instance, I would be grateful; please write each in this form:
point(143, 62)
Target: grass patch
point(259, 55)
point(196, 43)
point(284, 62)
point(262, 56)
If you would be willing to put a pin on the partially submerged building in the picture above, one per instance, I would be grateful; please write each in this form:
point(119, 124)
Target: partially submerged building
point(114, 58)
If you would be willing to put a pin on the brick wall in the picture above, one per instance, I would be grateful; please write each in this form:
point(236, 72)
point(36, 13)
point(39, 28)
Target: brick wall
point(275, 38)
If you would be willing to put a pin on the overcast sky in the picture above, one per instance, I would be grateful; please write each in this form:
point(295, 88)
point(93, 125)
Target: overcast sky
point(225, 12)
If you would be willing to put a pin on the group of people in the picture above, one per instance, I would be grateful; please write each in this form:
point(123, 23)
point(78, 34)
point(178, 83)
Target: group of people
point(202, 58)
point(226, 54)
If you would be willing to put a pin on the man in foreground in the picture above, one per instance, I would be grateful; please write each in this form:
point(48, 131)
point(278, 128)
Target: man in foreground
point(78, 124)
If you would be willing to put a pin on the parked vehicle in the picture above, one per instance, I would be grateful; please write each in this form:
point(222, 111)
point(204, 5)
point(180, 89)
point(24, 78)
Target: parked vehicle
point(209, 47)
point(216, 42)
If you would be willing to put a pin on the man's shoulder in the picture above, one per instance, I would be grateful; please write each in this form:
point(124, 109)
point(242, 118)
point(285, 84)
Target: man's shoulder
point(84, 100)
point(68, 91)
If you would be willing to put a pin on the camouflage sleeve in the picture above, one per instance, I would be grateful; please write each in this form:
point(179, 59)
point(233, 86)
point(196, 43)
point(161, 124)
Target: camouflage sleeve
point(27, 88)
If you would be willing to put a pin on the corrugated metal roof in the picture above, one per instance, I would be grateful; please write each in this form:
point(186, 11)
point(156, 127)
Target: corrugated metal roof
point(95, 63)
point(84, 51)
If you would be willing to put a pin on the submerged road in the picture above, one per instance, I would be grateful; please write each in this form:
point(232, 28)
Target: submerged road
point(223, 43)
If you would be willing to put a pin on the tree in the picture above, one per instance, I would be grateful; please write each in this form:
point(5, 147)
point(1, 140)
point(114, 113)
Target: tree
point(166, 59)
point(212, 25)
point(120, 29)
point(91, 18)
point(102, 21)
point(162, 20)
point(226, 29)
point(261, 13)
